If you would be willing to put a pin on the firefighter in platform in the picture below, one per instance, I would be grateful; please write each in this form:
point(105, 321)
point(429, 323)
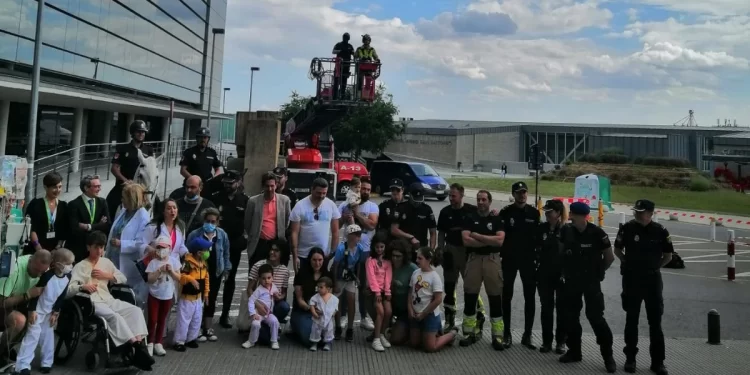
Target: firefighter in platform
point(200, 160)
point(587, 254)
point(231, 203)
point(364, 53)
point(125, 163)
point(643, 247)
point(343, 51)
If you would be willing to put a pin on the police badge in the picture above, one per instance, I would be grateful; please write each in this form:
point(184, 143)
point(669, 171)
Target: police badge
point(512, 222)
point(636, 238)
point(489, 226)
point(544, 237)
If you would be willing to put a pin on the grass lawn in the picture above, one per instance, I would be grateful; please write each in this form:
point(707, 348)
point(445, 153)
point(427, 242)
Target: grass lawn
point(717, 201)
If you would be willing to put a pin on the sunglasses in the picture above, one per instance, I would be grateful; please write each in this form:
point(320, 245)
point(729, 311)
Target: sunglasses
point(315, 214)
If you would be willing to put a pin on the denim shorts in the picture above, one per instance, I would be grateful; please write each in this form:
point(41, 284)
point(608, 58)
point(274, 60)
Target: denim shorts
point(431, 323)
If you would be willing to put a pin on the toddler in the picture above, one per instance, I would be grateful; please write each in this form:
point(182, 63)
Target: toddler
point(265, 294)
point(353, 200)
point(194, 294)
point(346, 270)
point(43, 313)
point(162, 272)
point(323, 307)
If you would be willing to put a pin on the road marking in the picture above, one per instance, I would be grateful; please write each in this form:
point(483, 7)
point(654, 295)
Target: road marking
point(713, 255)
point(715, 261)
point(700, 276)
point(743, 274)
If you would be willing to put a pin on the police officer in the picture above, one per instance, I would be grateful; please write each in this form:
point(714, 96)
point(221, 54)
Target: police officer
point(521, 223)
point(587, 253)
point(231, 203)
point(415, 221)
point(391, 207)
point(643, 247)
point(125, 163)
point(282, 175)
point(200, 160)
point(549, 276)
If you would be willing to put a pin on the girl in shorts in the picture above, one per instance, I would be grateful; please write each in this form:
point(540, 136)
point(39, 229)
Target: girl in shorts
point(379, 276)
point(425, 296)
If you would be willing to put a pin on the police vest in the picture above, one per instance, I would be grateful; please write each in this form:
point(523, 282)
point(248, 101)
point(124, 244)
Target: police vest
point(582, 254)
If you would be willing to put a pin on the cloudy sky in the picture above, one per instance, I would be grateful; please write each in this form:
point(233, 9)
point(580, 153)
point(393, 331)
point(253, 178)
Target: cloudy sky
point(616, 61)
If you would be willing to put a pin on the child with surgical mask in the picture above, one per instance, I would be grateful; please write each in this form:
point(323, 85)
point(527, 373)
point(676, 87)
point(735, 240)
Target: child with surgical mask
point(43, 313)
point(162, 272)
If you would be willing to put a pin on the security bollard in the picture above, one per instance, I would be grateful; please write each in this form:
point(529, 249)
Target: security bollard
point(540, 206)
point(730, 256)
point(601, 214)
point(714, 327)
point(622, 219)
point(712, 235)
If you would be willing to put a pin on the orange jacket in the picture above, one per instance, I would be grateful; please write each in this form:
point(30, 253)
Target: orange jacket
point(194, 269)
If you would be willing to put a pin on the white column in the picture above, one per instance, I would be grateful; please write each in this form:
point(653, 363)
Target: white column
point(131, 118)
point(84, 130)
point(76, 141)
point(106, 132)
point(164, 129)
point(4, 115)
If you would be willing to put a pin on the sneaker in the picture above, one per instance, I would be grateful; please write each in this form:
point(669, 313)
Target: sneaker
point(202, 338)
point(159, 350)
point(314, 347)
point(337, 333)
point(247, 344)
point(210, 335)
point(327, 347)
point(192, 344)
point(385, 342)
point(349, 335)
point(179, 347)
point(275, 345)
point(343, 322)
point(45, 370)
point(150, 348)
point(24, 372)
point(378, 346)
point(367, 324)
point(497, 343)
point(560, 348)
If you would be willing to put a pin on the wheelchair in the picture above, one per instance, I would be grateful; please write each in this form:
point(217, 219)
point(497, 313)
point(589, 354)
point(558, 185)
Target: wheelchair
point(78, 323)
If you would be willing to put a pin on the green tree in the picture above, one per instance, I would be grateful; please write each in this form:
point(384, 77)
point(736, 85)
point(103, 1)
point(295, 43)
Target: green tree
point(369, 128)
point(296, 103)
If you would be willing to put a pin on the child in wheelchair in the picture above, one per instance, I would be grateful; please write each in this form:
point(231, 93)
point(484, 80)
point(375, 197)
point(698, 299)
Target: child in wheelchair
point(194, 294)
point(161, 271)
point(43, 313)
point(266, 293)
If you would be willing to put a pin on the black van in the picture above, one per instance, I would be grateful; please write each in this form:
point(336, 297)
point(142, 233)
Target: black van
point(382, 171)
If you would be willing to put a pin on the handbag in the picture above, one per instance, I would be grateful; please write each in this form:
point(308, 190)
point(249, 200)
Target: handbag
point(141, 266)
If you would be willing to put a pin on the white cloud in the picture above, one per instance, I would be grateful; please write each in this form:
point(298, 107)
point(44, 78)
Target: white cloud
point(632, 14)
point(425, 86)
point(666, 54)
point(548, 16)
point(718, 7)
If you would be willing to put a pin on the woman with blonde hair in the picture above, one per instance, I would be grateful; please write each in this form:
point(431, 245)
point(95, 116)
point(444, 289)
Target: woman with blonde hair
point(125, 246)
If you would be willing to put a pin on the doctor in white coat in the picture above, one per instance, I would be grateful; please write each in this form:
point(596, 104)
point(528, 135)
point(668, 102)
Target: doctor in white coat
point(126, 246)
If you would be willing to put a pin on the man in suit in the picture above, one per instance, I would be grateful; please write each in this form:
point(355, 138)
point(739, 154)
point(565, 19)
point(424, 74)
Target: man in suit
point(87, 213)
point(266, 219)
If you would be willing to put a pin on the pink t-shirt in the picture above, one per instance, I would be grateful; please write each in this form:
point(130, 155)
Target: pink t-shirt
point(379, 275)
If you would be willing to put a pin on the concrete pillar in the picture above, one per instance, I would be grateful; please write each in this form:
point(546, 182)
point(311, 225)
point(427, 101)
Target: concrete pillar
point(4, 115)
point(85, 130)
point(130, 118)
point(259, 129)
point(106, 132)
point(186, 129)
point(164, 132)
point(76, 138)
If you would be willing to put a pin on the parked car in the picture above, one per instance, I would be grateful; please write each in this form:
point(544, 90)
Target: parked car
point(384, 170)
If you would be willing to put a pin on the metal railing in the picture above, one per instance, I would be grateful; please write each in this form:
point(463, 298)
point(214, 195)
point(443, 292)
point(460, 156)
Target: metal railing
point(96, 159)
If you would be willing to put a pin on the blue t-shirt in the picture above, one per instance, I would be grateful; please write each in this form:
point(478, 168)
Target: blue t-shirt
point(352, 259)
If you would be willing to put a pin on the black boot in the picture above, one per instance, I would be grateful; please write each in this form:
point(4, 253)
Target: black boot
point(526, 341)
point(610, 364)
point(224, 322)
point(659, 368)
point(507, 340)
point(570, 357)
point(468, 340)
point(629, 365)
point(450, 320)
point(545, 348)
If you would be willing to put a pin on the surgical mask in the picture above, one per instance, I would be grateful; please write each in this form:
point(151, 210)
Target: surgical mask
point(209, 228)
point(205, 255)
point(67, 269)
point(163, 253)
point(192, 199)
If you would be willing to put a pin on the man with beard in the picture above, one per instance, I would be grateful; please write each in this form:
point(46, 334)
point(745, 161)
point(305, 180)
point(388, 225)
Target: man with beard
point(232, 203)
point(125, 163)
point(415, 221)
point(483, 235)
point(521, 222)
point(190, 207)
point(200, 160)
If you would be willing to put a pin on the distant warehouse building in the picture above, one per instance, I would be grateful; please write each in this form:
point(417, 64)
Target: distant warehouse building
point(489, 144)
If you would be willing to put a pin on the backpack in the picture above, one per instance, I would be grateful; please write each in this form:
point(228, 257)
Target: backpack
point(676, 262)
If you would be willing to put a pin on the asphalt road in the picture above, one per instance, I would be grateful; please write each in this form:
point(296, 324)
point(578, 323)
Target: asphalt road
point(688, 293)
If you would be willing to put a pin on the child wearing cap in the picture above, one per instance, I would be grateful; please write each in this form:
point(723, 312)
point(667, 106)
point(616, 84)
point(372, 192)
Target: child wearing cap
point(194, 277)
point(346, 268)
point(162, 272)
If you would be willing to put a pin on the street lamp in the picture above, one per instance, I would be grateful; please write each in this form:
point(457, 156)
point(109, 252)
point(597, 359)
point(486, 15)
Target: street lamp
point(211, 77)
point(95, 60)
point(224, 105)
point(34, 106)
point(252, 71)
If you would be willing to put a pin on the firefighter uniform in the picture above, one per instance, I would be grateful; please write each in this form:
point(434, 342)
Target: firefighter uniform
point(231, 203)
point(583, 270)
point(199, 162)
point(483, 266)
point(549, 280)
point(126, 156)
point(416, 218)
point(643, 247)
point(519, 249)
point(389, 210)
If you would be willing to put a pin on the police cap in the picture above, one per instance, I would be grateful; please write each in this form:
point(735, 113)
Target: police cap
point(396, 183)
point(643, 205)
point(231, 176)
point(553, 205)
point(519, 186)
point(279, 172)
point(203, 132)
point(579, 208)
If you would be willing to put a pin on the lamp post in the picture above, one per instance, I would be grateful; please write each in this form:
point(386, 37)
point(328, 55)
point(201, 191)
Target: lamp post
point(224, 105)
point(34, 107)
point(252, 71)
point(221, 123)
point(95, 60)
point(211, 77)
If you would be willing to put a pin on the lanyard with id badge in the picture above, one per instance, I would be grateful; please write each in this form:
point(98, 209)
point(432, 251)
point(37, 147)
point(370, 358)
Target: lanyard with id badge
point(51, 216)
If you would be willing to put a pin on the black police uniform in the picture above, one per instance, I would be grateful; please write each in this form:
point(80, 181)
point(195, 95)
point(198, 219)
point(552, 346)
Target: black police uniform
point(388, 212)
point(126, 156)
point(519, 249)
point(346, 51)
point(200, 162)
point(291, 195)
point(416, 219)
point(232, 220)
point(641, 282)
point(583, 271)
point(549, 279)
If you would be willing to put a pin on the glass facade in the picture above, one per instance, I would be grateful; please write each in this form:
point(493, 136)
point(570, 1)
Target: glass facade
point(154, 46)
point(217, 20)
